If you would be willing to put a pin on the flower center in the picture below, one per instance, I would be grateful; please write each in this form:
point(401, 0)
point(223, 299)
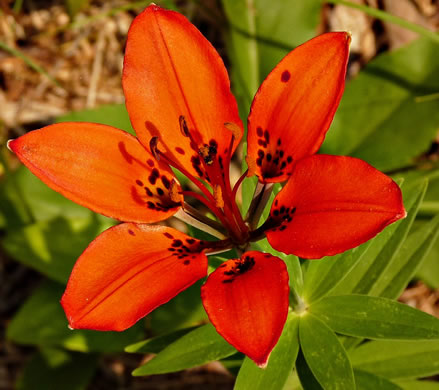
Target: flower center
point(212, 167)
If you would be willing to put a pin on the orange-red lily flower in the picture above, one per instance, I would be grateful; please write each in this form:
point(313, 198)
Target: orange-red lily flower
point(179, 101)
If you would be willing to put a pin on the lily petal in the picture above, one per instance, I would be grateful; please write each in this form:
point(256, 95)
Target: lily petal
point(331, 204)
point(127, 272)
point(100, 167)
point(294, 106)
point(172, 71)
point(247, 301)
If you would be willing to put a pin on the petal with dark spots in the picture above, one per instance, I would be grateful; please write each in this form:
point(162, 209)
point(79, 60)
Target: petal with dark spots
point(99, 167)
point(173, 75)
point(332, 204)
point(246, 300)
point(294, 106)
point(127, 272)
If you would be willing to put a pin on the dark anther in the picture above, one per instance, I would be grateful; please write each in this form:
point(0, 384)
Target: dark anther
point(183, 126)
point(153, 146)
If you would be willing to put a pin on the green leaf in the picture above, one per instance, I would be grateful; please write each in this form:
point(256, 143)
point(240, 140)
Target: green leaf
point(398, 359)
point(156, 344)
point(41, 321)
point(280, 364)
point(52, 247)
point(261, 33)
point(419, 385)
point(325, 355)
point(381, 254)
point(200, 346)
point(306, 377)
point(429, 270)
point(383, 105)
point(368, 381)
point(411, 256)
point(375, 318)
point(54, 369)
point(292, 262)
point(114, 115)
point(324, 275)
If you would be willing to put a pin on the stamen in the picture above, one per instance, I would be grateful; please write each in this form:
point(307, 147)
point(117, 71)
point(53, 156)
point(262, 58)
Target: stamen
point(251, 164)
point(174, 191)
point(234, 128)
point(183, 126)
point(218, 195)
point(153, 147)
point(188, 217)
point(238, 183)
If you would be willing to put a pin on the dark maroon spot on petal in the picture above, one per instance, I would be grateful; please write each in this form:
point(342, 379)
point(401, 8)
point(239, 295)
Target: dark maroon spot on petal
point(123, 151)
point(131, 232)
point(171, 249)
point(168, 235)
point(160, 191)
point(166, 182)
point(177, 243)
point(269, 157)
point(289, 159)
point(259, 162)
point(261, 153)
point(150, 163)
point(186, 262)
point(190, 241)
point(179, 150)
point(267, 136)
point(276, 202)
point(281, 153)
point(222, 266)
point(279, 142)
point(227, 281)
point(151, 205)
point(282, 228)
point(285, 76)
point(259, 131)
point(262, 143)
point(139, 182)
point(148, 191)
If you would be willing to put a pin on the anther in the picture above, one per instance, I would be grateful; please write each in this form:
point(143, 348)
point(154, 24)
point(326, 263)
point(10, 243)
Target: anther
point(218, 196)
point(174, 191)
point(234, 128)
point(183, 126)
point(153, 147)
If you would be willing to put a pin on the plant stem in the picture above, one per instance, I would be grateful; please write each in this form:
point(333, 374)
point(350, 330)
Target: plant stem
point(386, 17)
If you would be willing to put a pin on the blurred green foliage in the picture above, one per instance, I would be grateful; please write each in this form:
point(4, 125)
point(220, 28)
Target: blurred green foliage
point(388, 116)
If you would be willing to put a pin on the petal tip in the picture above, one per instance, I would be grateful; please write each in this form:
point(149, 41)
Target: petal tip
point(262, 362)
point(9, 145)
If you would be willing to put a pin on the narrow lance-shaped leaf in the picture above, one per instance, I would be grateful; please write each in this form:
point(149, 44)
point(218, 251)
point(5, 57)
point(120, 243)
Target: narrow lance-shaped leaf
point(368, 381)
point(398, 359)
point(410, 257)
point(325, 355)
point(197, 347)
point(375, 318)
